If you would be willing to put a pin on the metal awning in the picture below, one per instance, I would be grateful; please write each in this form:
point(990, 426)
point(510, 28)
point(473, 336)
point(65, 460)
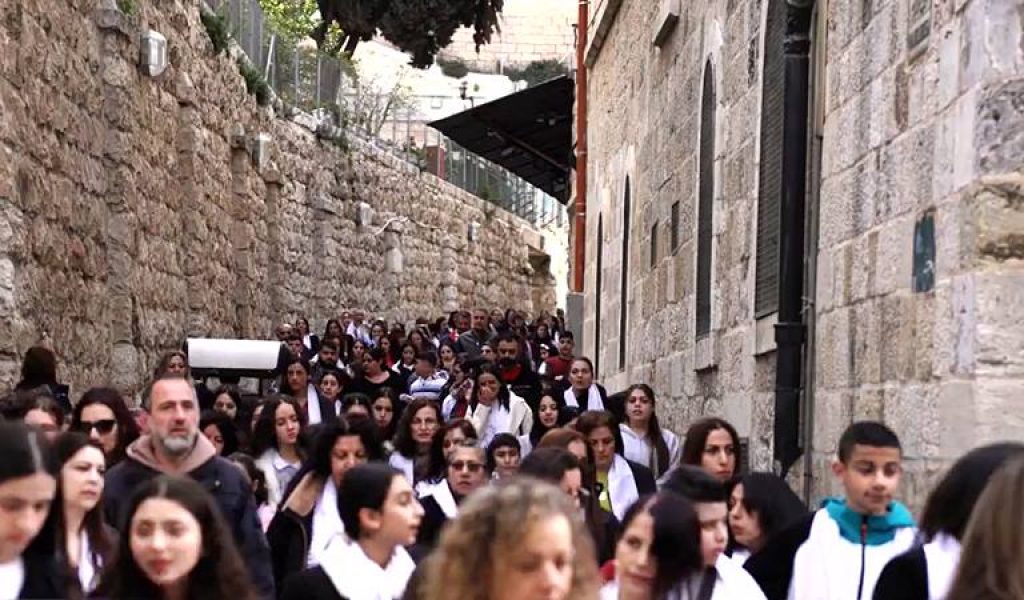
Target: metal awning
point(529, 133)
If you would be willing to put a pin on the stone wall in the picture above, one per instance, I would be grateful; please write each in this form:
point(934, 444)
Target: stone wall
point(919, 116)
point(138, 211)
point(531, 30)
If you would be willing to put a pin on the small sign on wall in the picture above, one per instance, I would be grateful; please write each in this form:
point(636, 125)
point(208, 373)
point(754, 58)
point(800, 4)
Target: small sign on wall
point(919, 27)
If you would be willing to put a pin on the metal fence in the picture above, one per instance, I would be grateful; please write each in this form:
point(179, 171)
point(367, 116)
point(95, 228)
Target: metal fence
point(309, 80)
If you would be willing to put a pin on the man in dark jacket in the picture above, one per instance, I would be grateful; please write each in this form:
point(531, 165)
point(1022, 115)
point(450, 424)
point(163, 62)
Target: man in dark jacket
point(515, 370)
point(471, 342)
point(175, 447)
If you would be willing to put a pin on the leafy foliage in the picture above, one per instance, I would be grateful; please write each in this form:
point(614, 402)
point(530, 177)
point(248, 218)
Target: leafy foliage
point(255, 84)
point(127, 7)
point(295, 20)
point(453, 68)
point(420, 27)
point(218, 29)
point(537, 71)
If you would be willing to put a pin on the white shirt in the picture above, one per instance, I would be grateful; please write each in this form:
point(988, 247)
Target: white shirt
point(12, 578)
point(734, 583)
point(638, 449)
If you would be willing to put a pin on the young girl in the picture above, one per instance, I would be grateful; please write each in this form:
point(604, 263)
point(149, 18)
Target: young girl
point(493, 409)
point(549, 411)
point(176, 546)
point(712, 444)
point(643, 439)
point(760, 505)
point(308, 521)
point(658, 549)
point(276, 444)
point(28, 485)
point(84, 541)
point(380, 514)
point(583, 392)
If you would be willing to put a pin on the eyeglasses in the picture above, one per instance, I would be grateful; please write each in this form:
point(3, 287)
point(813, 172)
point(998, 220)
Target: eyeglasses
point(466, 465)
point(103, 426)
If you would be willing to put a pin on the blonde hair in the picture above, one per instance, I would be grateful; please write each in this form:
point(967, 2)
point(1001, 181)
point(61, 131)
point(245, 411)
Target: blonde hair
point(990, 566)
point(491, 523)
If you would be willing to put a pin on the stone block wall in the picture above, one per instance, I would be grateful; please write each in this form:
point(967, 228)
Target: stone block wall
point(919, 116)
point(138, 211)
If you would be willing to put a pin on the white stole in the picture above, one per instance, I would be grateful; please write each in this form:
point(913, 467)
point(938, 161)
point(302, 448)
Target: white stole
point(942, 555)
point(86, 568)
point(594, 401)
point(621, 487)
point(442, 494)
point(326, 523)
point(313, 406)
point(406, 465)
point(356, 577)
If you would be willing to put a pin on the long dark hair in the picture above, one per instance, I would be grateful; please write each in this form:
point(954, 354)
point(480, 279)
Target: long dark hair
point(220, 573)
point(387, 433)
point(224, 424)
point(319, 461)
point(491, 369)
point(676, 545)
point(438, 461)
point(100, 545)
point(654, 436)
point(539, 429)
point(127, 428)
point(404, 442)
point(770, 500)
point(39, 367)
point(26, 452)
point(697, 438)
point(264, 436)
point(951, 502)
point(285, 386)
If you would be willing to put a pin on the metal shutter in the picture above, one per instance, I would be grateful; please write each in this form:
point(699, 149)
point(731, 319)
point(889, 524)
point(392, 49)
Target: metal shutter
point(705, 202)
point(766, 276)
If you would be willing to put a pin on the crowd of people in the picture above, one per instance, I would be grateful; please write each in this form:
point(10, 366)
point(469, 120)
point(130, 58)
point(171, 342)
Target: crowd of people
point(469, 458)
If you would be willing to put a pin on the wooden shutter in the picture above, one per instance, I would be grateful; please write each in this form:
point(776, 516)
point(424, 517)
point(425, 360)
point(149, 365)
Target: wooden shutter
point(705, 202)
point(766, 276)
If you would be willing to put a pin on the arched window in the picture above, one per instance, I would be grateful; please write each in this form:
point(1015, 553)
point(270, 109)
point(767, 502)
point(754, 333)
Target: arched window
point(769, 201)
point(624, 291)
point(705, 202)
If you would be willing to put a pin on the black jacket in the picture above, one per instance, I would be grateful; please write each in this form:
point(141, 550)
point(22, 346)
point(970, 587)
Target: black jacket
point(904, 577)
point(644, 478)
point(229, 488)
point(291, 529)
point(431, 525)
point(772, 567)
point(42, 579)
point(526, 384)
point(311, 584)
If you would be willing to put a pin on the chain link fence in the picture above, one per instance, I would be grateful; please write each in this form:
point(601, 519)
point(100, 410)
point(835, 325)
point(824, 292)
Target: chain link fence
point(304, 78)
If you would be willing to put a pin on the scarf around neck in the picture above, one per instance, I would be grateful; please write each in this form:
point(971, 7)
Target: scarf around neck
point(327, 525)
point(356, 577)
point(881, 529)
point(594, 401)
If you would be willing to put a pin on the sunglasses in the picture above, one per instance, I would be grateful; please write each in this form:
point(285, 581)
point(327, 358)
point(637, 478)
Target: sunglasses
point(466, 465)
point(103, 426)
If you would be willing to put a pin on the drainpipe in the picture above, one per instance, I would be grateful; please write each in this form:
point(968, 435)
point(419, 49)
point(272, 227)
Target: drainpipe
point(790, 331)
point(580, 208)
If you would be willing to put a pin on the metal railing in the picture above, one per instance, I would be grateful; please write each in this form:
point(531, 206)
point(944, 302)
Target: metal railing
point(309, 80)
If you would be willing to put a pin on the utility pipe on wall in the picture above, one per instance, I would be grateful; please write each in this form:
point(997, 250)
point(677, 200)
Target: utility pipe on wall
point(580, 206)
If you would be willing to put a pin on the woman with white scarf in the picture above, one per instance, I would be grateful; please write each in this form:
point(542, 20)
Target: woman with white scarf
point(620, 482)
point(380, 515)
point(308, 522)
point(583, 392)
point(494, 409)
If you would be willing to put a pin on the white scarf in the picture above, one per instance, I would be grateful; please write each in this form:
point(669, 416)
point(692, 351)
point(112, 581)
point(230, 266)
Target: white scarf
point(621, 487)
point(86, 569)
point(313, 406)
point(594, 401)
point(942, 555)
point(356, 577)
point(442, 493)
point(327, 524)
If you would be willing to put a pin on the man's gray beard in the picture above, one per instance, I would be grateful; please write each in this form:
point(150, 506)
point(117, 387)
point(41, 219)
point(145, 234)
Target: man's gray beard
point(178, 446)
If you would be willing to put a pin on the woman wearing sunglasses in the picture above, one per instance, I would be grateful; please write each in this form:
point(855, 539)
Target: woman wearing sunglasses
point(102, 415)
point(467, 471)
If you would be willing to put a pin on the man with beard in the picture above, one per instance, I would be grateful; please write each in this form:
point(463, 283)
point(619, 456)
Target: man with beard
point(174, 447)
point(516, 372)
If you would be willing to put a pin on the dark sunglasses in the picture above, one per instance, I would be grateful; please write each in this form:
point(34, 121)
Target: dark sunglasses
point(466, 465)
point(103, 426)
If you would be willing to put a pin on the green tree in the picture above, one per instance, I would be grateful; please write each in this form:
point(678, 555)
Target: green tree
point(537, 71)
point(295, 20)
point(420, 27)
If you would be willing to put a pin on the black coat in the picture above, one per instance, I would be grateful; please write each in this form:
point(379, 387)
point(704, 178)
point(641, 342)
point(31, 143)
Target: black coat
point(904, 577)
point(42, 579)
point(644, 478)
point(288, 535)
point(431, 525)
point(230, 489)
point(311, 584)
point(772, 567)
